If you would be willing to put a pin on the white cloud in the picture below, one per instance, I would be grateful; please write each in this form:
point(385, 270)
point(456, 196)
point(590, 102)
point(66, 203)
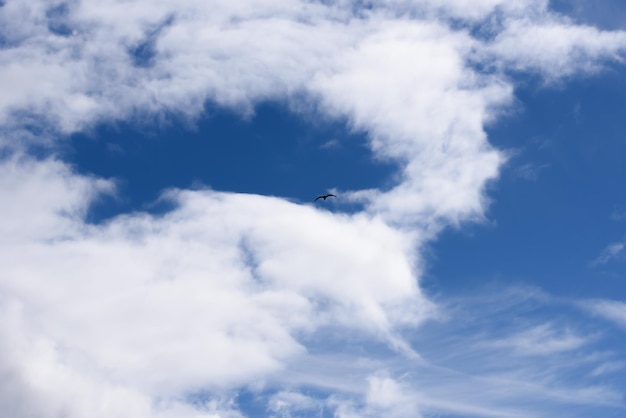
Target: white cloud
point(529, 171)
point(210, 296)
point(571, 49)
point(613, 310)
point(427, 113)
point(47, 201)
point(541, 340)
point(464, 371)
point(608, 367)
point(385, 397)
point(475, 369)
point(611, 252)
point(44, 378)
point(285, 402)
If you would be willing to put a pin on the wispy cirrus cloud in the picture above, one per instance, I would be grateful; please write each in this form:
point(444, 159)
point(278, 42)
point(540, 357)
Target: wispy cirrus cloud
point(215, 305)
point(541, 339)
point(516, 365)
point(618, 214)
point(608, 367)
point(612, 310)
point(610, 253)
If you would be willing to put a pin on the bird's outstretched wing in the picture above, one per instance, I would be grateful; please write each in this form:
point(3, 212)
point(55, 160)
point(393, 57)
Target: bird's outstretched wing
point(324, 196)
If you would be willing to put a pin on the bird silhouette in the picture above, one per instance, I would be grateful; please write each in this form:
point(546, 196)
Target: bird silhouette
point(324, 196)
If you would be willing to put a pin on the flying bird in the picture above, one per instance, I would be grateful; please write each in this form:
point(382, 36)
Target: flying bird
point(324, 196)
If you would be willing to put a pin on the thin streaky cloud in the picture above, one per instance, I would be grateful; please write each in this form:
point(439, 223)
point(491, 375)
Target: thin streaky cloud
point(612, 252)
point(618, 214)
point(611, 310)
point(608, 367)
point(540, 340)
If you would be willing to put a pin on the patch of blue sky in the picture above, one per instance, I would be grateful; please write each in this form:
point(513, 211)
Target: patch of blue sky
point(270, 401)
point(485, 29)
point(275, 152)
point(144, 52)
point(58, 22)
point(555, 210)
point(551, 211)
point(607, 15)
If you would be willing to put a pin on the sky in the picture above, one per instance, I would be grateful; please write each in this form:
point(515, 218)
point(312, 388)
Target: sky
point(162, 254)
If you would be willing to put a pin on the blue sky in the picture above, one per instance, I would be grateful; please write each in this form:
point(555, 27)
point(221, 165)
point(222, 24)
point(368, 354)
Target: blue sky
point(163, 257)
point(225, 152)
point(558, 200)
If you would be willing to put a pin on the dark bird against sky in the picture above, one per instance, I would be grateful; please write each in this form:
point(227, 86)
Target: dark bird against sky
point(324, 196)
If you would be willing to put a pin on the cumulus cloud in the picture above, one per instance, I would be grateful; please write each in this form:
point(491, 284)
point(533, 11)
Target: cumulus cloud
point(212, 295)
point(521, 46)
point(286, 402)
point(385, 396)
point(133, 316)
